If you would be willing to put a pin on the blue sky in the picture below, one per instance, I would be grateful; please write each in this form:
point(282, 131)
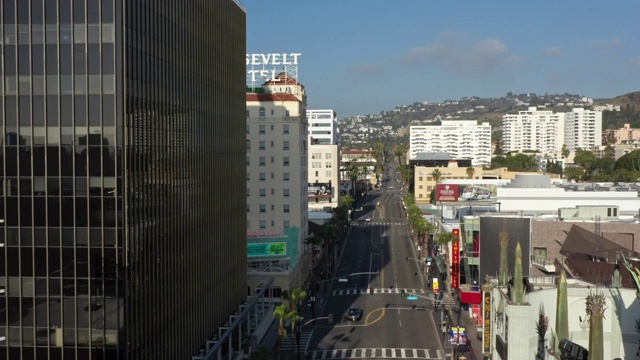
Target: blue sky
point(366, 56)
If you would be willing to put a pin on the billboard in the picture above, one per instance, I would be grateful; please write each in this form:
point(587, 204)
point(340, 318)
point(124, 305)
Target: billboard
point(462, 192)
point(447, 193)
point(267, 249)
point(319, 189)
point(455, 258)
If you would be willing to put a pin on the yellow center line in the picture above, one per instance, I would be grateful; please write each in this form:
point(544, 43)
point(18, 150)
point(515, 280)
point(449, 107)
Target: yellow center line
point(366, 319)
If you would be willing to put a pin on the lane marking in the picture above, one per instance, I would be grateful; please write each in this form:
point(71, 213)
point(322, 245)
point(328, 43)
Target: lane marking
point(366, 319)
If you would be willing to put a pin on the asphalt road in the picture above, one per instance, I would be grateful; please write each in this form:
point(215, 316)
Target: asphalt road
point(382, 258)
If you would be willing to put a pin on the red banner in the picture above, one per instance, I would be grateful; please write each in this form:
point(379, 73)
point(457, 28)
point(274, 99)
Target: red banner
point(455, 258)
point(447, 192)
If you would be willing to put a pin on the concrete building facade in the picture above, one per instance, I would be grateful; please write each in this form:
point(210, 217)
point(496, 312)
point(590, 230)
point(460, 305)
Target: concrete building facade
point(582, 129)
point(323, 127)
point(324, 176)
point(462, 139)
point(535, 130)
point(277, 154)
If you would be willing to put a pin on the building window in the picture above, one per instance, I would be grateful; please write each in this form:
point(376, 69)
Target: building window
point(286, 113)
point(285, 128)
point(286, 176)
point(420, 178)
point(248, 208)
point(285, 145)
point(327, 165)
point(327, 156)
point(273, 207)
point(248, 176)
point(285, 161)
point(273, 159)
point(539, 255)
point(263, 177)
point(327, 173)
point(286, 224)
point(273, 191)
point(286, 208)
point(273, 223)
point(248, 144)
point(263, 145)
point(248, 127)
point(262, 112)
point(272, 127)
point(286, 192)
point(419, 186)
point(248, 191)
point(263, 208)
point(248, 115)
point(273, 144)
point(273, 176)
point(263, 161)
point(263, 224)
point(273, 112)
point(263, 192)
point(248, 161)
point(262, 129)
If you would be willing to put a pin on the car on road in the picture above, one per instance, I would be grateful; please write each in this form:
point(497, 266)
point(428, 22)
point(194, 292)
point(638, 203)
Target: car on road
point(367, 219)
point(355, 314)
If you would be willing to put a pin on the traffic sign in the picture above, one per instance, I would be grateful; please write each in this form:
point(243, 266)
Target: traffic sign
point(412, 297)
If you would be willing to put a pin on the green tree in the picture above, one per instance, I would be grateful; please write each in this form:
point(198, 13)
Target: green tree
point(436, 175)
point(470, 172)
point(573, 173)
point(565, 152)
point(630, 161)
point(262, 353)
point(443, 239)
point(283, 314)
point(347, 201)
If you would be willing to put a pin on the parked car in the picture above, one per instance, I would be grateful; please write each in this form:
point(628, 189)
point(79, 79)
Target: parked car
point(355, 314)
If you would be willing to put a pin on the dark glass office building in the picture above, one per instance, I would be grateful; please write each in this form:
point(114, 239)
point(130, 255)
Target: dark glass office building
point(123, 214)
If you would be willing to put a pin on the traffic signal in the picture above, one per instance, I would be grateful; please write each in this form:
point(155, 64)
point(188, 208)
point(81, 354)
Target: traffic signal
point(402, 293)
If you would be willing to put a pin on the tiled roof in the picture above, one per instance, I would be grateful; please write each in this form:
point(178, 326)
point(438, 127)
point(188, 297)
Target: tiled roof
point(271, 97)
point(283, 79)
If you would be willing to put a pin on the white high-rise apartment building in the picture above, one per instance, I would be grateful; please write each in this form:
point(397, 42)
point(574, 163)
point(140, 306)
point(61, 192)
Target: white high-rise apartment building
point(277, 168)
point(533, 129)
point(547, 132)
point(461, 139)
point(323, 127)
point(324, 160)
point(583, 129)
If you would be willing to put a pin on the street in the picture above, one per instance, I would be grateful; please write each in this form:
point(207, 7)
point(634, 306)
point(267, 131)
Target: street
point(378, 265)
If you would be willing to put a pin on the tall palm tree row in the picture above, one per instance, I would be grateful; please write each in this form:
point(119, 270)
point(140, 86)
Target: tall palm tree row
point(284, 315)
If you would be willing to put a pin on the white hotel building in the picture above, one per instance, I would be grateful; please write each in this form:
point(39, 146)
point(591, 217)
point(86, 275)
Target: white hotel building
point(277, 170)
point(461, 139)
point(324, 160)
point(546, 131)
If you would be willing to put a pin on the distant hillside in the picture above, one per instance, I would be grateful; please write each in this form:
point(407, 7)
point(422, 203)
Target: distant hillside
point(632, 99)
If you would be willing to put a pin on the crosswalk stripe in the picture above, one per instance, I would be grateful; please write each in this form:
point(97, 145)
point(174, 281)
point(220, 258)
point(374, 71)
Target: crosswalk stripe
point(373, 353)
point(376, 291)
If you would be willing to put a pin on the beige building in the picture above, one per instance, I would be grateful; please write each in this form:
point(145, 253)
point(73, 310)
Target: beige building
point(424, 182)
point(277, 164)
point(623, 135)
point(324, 176)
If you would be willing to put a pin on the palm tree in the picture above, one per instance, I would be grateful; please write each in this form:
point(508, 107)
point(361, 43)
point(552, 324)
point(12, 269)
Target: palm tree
point(436, 175)
point(281, 313)
point(470, 172)
point(262, 353)
point(444, 238)
point(315, 242)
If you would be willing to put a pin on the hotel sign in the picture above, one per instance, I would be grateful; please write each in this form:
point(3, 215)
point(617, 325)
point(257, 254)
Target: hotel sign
point(447, 192)
point(268, 64)
point(486, 327)
point(455, 258)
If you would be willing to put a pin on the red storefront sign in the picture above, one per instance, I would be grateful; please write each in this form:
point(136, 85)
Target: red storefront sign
point(455, 258)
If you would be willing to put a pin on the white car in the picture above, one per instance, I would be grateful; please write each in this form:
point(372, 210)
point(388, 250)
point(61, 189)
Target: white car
point(367, 219)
